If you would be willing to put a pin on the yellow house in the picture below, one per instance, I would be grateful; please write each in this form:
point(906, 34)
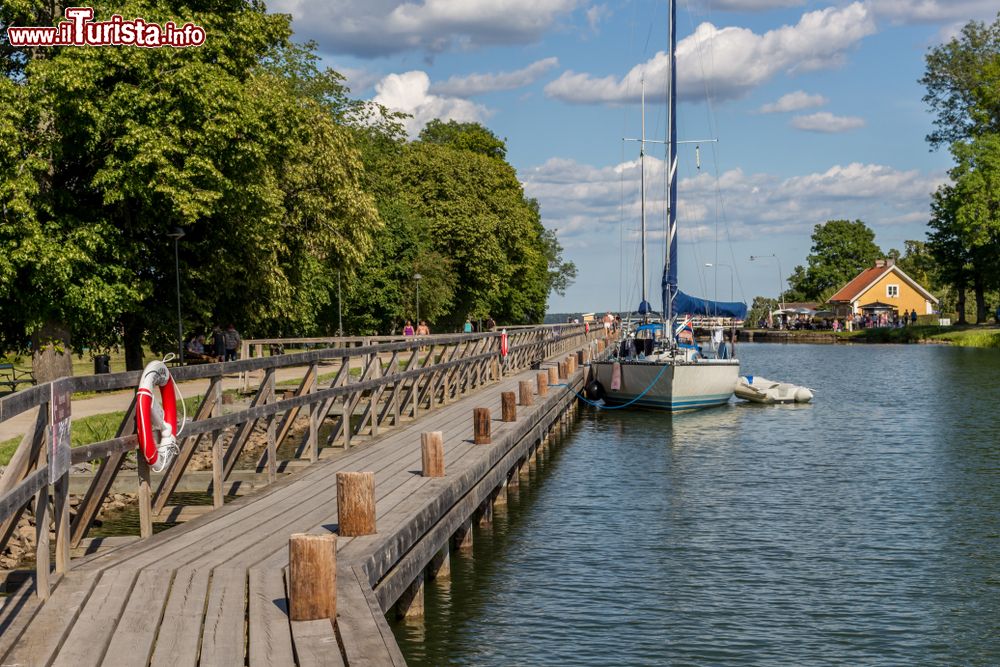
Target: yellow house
point(884, 288)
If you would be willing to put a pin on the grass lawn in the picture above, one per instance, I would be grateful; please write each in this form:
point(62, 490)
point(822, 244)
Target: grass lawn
point(968, 336)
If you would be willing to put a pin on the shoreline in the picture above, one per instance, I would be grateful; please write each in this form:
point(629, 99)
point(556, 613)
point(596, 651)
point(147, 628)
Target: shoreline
point(970, 336)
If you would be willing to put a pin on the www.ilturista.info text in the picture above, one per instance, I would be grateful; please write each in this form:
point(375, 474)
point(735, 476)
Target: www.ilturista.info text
point(79, 29)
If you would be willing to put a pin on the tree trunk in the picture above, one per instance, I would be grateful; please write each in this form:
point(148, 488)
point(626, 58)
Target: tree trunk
point(51, 356)
point(979, 287)
point(134, 330)
point(960, 307)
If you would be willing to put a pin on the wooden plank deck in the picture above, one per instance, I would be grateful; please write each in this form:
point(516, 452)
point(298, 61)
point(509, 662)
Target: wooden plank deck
point(213, 591)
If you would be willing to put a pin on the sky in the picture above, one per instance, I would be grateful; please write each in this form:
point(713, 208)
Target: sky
point(814, 107)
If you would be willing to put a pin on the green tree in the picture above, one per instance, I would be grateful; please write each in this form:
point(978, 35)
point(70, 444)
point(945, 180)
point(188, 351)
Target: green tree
point(841, 249)
point(969, 215)
point(962, 79)
point(561, 274)
point(464, 136)
point(235, 142)
point(761, 308)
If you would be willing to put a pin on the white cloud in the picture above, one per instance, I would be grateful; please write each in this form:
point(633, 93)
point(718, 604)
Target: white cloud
point(410, 92)
point(584, 204)
point(477, 84)
point(595, 14)
point(730, 61)
point(380, 27)
point(827, 123)
point(934, 11)
point(794, 102)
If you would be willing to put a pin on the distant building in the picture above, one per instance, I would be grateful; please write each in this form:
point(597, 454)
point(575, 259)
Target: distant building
point(884, 288)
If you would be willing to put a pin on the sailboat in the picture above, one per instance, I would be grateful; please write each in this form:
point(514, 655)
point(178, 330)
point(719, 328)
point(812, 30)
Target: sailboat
point(658, 364)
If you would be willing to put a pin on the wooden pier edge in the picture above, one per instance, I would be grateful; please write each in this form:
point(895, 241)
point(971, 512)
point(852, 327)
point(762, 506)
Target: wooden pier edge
point(394, 560)
point(423, 536)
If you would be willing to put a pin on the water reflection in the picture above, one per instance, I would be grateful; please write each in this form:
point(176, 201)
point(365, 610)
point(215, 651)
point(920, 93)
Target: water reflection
point(861, 529)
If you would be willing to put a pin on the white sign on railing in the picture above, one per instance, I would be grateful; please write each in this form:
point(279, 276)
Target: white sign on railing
point(59, 436)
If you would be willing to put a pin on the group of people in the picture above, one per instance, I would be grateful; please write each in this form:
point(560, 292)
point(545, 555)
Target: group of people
point(225, 346)
point(489, 325)
point(882, 320)
point(421, 330)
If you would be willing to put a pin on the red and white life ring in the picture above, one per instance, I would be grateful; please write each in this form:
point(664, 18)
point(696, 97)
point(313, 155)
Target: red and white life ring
point(151, 416)
point(504, 347)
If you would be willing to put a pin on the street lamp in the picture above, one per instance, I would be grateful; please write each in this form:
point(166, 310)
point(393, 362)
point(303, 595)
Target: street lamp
point(781, 290)
point(731, 291)
point(177, 235)
point(417, 277)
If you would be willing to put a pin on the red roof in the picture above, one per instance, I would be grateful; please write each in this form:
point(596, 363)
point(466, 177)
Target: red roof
point(853, 289)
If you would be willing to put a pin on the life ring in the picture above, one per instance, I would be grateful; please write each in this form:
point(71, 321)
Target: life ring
point(504, 346)
point(151, 416)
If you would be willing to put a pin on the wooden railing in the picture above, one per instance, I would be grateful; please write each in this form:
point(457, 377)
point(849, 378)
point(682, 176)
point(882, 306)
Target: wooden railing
point(374, 386)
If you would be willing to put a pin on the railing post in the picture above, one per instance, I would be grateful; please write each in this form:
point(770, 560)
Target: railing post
point(217, 495)
point(145, 497)
point(42, 542)
point(313, 441)
point(272, 449)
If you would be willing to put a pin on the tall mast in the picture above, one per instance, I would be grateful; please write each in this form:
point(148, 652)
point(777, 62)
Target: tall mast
point(642, 188)
point(670, 265)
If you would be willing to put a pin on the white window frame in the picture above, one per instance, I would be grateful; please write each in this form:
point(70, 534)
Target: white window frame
point(889, 291)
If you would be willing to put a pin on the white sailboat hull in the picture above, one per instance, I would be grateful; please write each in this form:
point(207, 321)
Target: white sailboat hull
point(676, 386)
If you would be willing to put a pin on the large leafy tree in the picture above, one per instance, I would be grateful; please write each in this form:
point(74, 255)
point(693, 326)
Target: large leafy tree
point(841, 249)
point(963, 84)
point(966, 219)
point(237, 143)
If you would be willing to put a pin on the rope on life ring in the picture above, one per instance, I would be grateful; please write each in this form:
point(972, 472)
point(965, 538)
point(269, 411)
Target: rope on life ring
point(161, 417)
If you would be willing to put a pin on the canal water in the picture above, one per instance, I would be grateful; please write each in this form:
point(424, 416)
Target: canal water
point(861, 529)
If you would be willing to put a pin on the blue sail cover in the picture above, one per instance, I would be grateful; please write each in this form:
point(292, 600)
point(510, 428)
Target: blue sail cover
point(691, 305)
point(645, 308)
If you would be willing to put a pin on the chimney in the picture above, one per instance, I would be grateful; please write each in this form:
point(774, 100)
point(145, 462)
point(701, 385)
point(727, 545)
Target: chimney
point(879, 263)
point(889, 261)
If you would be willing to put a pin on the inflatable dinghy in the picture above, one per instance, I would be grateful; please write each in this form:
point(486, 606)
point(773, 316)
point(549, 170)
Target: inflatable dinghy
point(762, 390)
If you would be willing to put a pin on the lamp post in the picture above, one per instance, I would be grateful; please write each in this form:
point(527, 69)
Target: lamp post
point(177, 235)
point(417, 277)
point(731, 290)
point(781, 290)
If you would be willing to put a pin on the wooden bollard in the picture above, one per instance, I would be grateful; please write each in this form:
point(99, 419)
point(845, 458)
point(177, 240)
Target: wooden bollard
point(524, 389)
point(563, 371)
point(508, 411)
point(580, 358)
point(553, 375)
point(432, 453)
point(481, 426)
point(542, 380)
point(312, 577)
point(356, 503)
point(571, 364)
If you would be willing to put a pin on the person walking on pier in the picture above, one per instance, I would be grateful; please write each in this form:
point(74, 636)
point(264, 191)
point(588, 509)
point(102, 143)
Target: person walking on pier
point(423, 329)
point(467, 328)
point(490, 323)
point(408, 329)
point(233, 341)
point(218, 343)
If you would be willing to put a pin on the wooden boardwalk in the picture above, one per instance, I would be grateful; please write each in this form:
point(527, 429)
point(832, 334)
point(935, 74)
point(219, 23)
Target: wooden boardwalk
point(213, 591)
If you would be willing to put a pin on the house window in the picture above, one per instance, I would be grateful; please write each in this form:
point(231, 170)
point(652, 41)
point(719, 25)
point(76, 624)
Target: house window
point(892, 290)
